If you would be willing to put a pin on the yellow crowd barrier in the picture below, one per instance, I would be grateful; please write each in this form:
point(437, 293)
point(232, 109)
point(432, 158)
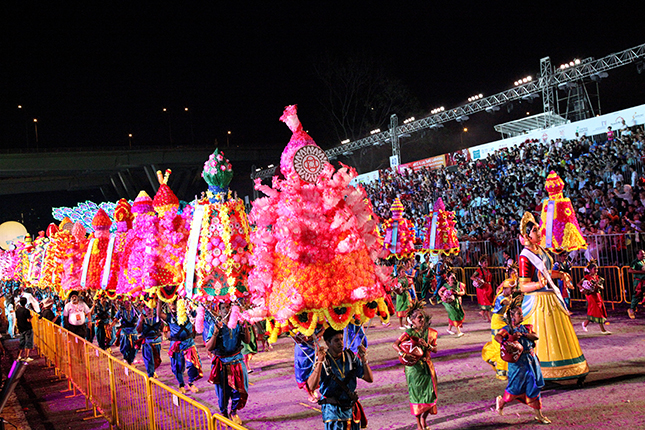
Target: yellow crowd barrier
point(618, 282)
point(126, 397)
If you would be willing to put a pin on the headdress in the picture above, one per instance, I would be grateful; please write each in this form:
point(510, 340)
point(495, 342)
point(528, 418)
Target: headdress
point(526, 218)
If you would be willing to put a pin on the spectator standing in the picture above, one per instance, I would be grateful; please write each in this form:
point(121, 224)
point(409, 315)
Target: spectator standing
point(637, 270)
point(23, 321)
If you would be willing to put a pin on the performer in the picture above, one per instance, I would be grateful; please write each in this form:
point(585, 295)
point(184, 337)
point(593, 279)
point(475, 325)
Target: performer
point(637, 269)
point(442, 269)
point(403, 298)
point(591, 286)
point(451, 294)
point(104, 312)
point(149, 329)
point(304, 357)
point(544, 309)
point(249, 349)
point(336, 371)
point(482, 280)
point(183, 353)
point(525, 380)
point(420, 377)
point(491, 351)
point(427, 278)
point(228, 371)
point(127, 317)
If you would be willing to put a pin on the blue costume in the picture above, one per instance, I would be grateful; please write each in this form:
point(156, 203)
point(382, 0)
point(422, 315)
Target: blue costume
point(353, 337)
point(336, 405)
point(228, 372)
point(128, 337)
point(103, 314)
point(151, 346)
point(525, 381)
point(183, 353)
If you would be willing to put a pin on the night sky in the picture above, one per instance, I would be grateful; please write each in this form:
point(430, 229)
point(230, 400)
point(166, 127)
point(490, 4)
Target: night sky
point(93, 75)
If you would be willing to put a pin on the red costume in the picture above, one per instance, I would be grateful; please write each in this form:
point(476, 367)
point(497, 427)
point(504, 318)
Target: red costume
point(485, 296)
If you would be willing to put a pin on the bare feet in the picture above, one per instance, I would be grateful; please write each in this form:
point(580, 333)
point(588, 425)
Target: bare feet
point(499, 405)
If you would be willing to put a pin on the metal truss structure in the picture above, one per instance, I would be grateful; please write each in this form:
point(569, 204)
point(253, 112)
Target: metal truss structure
point(545, 86)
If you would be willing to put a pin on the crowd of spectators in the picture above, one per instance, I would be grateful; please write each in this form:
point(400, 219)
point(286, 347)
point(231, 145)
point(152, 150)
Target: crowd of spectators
point(603, 178)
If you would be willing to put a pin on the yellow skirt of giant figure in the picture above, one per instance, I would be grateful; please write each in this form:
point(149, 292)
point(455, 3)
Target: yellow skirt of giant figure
point(557, 347)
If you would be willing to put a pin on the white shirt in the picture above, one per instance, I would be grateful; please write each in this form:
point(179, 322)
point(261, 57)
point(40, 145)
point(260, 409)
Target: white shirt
point(31, 301)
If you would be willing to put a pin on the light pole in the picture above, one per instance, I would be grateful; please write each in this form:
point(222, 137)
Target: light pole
point(461, 135)
point(130, 139)
point(36, 131)
point(228, 133)
point(169, 126)
point(190, 120)
point(26, 127)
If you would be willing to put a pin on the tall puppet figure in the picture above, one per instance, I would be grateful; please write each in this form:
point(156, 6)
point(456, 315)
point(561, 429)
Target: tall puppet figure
point(543, 307)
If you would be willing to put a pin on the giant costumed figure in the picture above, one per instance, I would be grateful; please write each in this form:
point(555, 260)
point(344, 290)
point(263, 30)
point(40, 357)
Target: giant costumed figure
point(543, 307)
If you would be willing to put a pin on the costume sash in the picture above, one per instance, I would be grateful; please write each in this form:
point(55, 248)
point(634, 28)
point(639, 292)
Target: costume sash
point(433, 230)
point(550, 211)
point(539, 265)
point(86, 262)
point(191, 254)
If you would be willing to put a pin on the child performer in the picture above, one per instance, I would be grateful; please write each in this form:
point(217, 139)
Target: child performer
point(525, 380)
point(228, 371)
point(482, 280)
point(450, 295)
point(183, 353)
point(149, 329)
point(421, 377)
point(127, 317)
point(491, 351)
point(591, 286)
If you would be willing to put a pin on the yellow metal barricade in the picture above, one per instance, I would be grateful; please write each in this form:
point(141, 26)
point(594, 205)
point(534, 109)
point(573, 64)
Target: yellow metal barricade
point(78, 364)
point(614, 284)
point(222, 423)
point(125, 396)
point(628, 284)
point(131, 397)
point(101, 381)
point(172, 410)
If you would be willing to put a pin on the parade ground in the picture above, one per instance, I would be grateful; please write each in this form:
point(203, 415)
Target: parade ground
point(611, 397)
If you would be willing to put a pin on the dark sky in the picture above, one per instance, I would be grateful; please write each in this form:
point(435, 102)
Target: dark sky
point(91, 75)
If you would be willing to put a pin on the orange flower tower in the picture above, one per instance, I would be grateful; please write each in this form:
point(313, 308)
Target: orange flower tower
point(314, 246)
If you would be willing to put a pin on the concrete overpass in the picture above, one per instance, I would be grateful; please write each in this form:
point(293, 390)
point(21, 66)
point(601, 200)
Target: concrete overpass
point(118, 172)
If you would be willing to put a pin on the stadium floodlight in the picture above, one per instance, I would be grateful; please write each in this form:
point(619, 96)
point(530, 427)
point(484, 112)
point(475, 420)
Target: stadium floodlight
point(475, 97)
point(269, 166)
point(343, 142)
point(376, 130)
point(437, 110)
point(258, 169)
point(598, 76)
point(409, 120)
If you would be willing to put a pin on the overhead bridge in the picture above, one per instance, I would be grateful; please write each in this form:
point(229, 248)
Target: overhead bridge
point(116, 172)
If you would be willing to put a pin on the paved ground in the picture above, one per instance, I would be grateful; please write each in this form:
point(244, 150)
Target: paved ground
point(612, 397)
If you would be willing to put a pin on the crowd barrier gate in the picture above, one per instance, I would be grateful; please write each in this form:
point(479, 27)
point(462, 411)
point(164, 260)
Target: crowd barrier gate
point(126, 397)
